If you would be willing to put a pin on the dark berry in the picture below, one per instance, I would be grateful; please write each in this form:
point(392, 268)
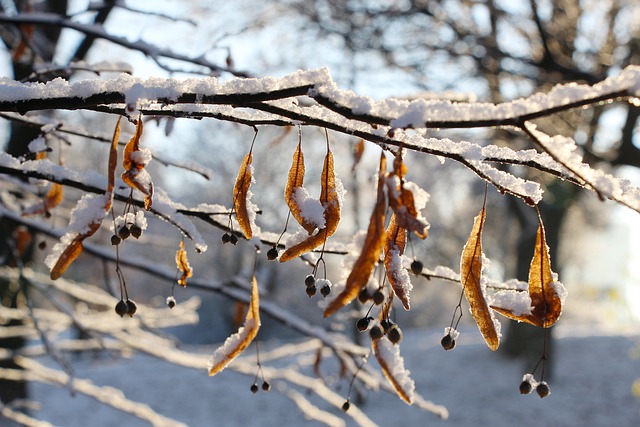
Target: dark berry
point(386, 324)
point(309, 280)
point(266, 386)
point(311, 290)
point(363, 324)
point(123, 232)
point(233, 239)
point(131, 307)
point(121, 308)
point(115, 240)
point(272, 254)
point(376, 332)
point(525, 387)
point(171, 301)
point(254, 388)
point(394, 334)
point(345, 406)
point(325, 290)
point(364, 296)
point(378, 297)
point(447, 342)
point(136, 231)
point(226, 238)
point(42, 245)
point(416, 267)
point(543, 389)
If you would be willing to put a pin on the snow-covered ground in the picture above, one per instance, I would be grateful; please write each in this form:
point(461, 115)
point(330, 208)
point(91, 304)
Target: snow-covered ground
point(594, 373)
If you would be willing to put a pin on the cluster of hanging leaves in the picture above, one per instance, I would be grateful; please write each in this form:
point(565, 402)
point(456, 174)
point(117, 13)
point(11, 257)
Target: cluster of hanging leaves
point(88, 216)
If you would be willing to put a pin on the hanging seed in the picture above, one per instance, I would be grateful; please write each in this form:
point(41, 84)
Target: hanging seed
point(345, 406)
point(131, 307)
point(42, 245)
point(123, 232)
point(363, 324)
point(226, 238)
point(394, 334)
point(171, 301)
point(525, 387)
point(233, 239)
point(379, 297)
point(254, 388)
point(447, 342)
point(325, 290)
point(364, 296)
point(386, 324)
point(309, 280)
point(416, 267)
point(272, 254)
point(376, 332)
point(136, 231)
point(543, 389)
point(121, 308)
point(266, 386)
point(311, 290)
point(115, 240)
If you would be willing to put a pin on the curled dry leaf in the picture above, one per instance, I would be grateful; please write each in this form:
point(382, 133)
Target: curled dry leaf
point(134, 161)
point(238, 342)
point(371, 250)
point(392, 364)
point(295, 181)
point(53, 198)
point(474, 289)
point(358, 151)
point(331, 204)
point(241, 194)
point(396, 240)
point(86, 218)
point(543, 306)
point(183, 265)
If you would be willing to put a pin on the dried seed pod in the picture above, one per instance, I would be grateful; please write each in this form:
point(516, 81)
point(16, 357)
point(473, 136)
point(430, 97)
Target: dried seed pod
point(254, 388)
point(543, 389)
point(416, 267)
point(131, 307)
point(346, 405)
point(447, 342)
point(376, 332)
point(309, 280)
point(42, 245)
point(394, 334)
point(123, 232)
point(379, 296)
point(525, 387)
point(136, 231)
point(363, 324)
point(266, 386)
point(325, 290)
point(364, 296)
point(233, 239)
point(226, 238)
point(272, 254)
point(121, 308)
point(115, 240)
point(171, 301)
point(311, 290)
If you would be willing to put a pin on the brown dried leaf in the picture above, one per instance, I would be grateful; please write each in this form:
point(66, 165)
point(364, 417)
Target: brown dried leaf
point(238, 342)
point(371, 250)
point(54, 196)
point(392, 364)
point(296, 180)
point(546, 303)
point(395, 242)
point(183, 265)
point(132, 145)
point(240, 192)
point(113, 157)
point(358, 151)
point(71, 252)
point(135, 175)
point(470, 276)
point(331, 203)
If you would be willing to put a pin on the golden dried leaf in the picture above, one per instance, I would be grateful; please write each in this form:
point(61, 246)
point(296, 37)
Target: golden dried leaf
point(54, 196)
point(546, 302)
point(238, 342)
point(71, 252)
point(132, 145)
point(371, 250)
point(183, 265)
point(399, 168)
point(41, 155)
point(240, 193)
point(395, 242)
point(331, 202)
point(113, 157)
point(135, 175)
point(358, 151)
point(392, 365)
point(296, 180)
point(470, 276)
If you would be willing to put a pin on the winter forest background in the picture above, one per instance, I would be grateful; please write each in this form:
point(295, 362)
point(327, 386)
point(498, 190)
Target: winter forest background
point(520, 114)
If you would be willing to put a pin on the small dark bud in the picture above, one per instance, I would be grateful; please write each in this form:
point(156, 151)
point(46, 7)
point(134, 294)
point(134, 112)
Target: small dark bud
point(376, 332)
point(345, 406)
point(171, 301)
point(394, 334)
point(363, 324)
point(121, 308)
point(226, 238)
point(254, 388)
point(42, 245)
point(311, 290)
point(529, 201)
point(416, 267)
point(131, 307)
point(136, 231)
point(266, 386)
point(310, 281)
point(448, 343)
point(379, 297)
point(364, 296)
point(525, 387)
point(233, 239)
point(325, 290)
point(123, 232)
point(543, 389)
point(272, 254)
point(115, 240)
